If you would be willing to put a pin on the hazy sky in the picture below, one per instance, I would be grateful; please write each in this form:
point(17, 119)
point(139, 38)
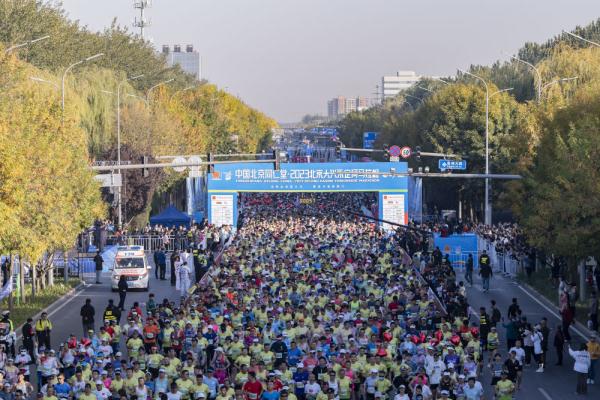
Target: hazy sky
point(288, 57)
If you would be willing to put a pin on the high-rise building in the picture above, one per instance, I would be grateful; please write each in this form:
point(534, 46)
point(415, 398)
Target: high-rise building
point(336, 107)
point(189, 61)
point(339, 106)
point(393, 84)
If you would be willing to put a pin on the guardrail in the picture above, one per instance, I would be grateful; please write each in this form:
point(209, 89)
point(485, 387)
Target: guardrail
point(151, 242)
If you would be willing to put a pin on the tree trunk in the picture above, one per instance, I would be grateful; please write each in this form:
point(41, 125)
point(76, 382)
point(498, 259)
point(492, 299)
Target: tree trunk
point(581, 270)
point(22, 280)
point(33, 281)
point(10, 277)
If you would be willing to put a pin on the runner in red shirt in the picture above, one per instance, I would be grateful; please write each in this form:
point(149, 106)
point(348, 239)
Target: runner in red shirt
point(253, 388)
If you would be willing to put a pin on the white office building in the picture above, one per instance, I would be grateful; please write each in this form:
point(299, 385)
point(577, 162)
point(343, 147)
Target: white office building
point(188, 60)
point(393, 84)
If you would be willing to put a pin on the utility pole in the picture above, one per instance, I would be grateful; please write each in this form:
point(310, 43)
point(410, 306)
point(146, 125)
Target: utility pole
point(141, 22)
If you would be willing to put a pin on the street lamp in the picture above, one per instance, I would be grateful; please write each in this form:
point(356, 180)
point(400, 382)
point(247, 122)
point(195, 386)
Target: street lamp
point(120, 214)
point(558, 81)
point(36, 79)
point(18, 46)
point(415, 97)
point(139, 98)
point(425, 89)
point(65, 76)
point(182, 90)
point(537, 72)
point(155, 86)
point(580, 38)
point(488, 208)
point(500, 91)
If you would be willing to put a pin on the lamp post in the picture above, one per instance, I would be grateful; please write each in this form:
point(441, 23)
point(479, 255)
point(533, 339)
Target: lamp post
point(537, 72)
point(500, 91)
point(139, 98)
point(488, 208)
point(554, 82)
point(415, 97)
point(36, 79)
point(182, 90)
point(155, 86)
point(65, 76)
point(120, 213)
point(18, 46)
point(583, 39)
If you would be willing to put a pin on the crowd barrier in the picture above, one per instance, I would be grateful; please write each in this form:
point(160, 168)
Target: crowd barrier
point(506, 263)
point(151, 242)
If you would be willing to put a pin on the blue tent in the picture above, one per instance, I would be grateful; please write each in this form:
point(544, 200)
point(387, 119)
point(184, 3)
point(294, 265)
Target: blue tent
point(170, 217)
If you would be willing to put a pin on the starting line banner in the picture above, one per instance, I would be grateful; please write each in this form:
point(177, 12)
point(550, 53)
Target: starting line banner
point(229, 179)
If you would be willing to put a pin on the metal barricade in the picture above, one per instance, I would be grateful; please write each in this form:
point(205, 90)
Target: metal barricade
point(151, 242)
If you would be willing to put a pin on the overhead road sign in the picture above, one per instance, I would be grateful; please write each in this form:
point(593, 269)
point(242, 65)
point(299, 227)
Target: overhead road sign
point(369, 139)
point(405, 152)
point(395, 151)
point(445, 165)
point(109, 180)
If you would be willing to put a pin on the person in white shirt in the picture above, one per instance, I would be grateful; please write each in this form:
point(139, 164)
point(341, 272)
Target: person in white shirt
point(434, 370)
point(402, 395)
point(536, 340)
point(101, 392)
point(581, 366)
point(174, 394)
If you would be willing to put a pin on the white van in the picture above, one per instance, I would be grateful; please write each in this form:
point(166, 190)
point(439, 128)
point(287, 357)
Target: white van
point(131, 262)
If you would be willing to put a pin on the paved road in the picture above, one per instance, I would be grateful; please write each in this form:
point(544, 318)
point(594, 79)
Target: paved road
point(556, 382)
point(65, 316)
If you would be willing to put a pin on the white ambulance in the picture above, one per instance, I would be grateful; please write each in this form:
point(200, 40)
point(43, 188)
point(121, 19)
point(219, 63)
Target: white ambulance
point(131, 262)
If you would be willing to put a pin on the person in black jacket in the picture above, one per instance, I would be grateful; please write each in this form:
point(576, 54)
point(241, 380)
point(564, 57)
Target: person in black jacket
point(485, 270)
point(112, 312)
point(87, 317)
point(28, 335)
point(123, 286)
point(98, 260)
point(469, 270)
point(280, 349)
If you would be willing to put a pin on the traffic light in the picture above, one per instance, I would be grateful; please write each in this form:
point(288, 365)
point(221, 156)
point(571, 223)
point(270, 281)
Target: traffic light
point(276, 162)
point(386, 152)
point(211, 166)
point(418, 153)
point(145, 171)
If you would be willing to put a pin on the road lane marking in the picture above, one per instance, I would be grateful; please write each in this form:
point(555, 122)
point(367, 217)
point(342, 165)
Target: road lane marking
point(545, 394)
point(577, 331)
point(73, 296)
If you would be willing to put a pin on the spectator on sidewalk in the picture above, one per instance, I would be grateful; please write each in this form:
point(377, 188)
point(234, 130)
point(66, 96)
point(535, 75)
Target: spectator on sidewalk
point(593, 312)
point(593, 348)
point(87, 317)
point(581, 367)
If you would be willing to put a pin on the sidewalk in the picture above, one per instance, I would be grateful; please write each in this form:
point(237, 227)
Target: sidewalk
point(556, 382)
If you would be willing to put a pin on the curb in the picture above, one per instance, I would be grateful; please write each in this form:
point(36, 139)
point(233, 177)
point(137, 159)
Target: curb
point(19, 329)
point(581, 327)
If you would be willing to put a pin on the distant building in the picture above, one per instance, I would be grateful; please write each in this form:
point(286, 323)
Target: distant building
point(188, 60)
point(340, 106)
point(394, 84)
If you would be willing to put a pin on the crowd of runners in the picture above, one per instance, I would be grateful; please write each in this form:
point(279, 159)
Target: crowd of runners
point(307, 302)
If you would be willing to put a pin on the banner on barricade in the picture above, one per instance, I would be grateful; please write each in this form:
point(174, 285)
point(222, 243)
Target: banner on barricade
point(458, 248)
